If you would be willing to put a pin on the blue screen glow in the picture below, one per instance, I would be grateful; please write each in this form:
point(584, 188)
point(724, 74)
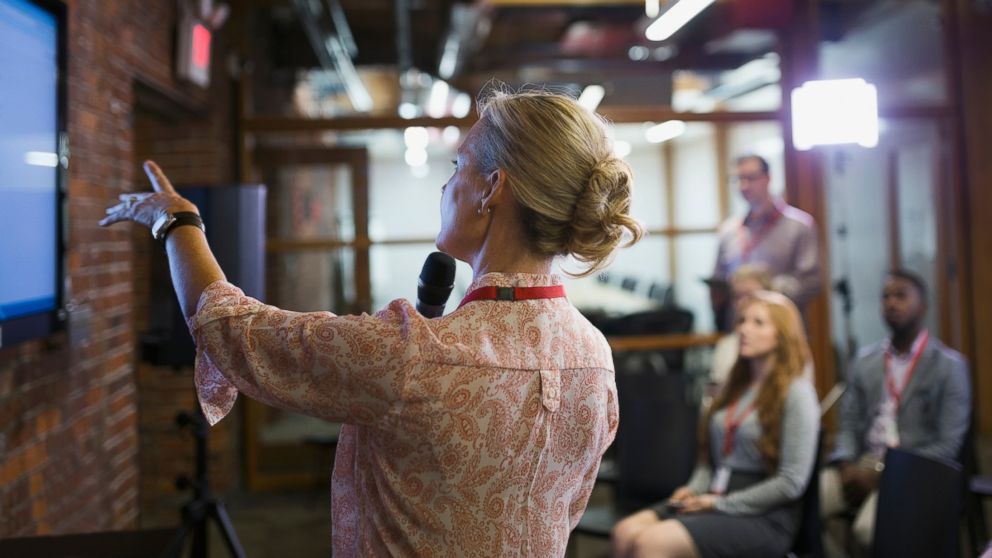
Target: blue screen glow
point(28, 160)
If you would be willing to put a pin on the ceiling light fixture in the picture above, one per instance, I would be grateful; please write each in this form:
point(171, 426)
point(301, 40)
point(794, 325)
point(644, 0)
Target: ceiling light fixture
point(333, 55)
point(462, 105)
point(831, 112)
point(675, 18)
point(652, 8)
point(416, 137)
point(591, 96)
point(438, 101)
point(665, 131)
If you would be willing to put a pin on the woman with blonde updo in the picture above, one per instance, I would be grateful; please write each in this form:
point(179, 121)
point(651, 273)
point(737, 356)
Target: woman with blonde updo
point(478, 433)
point(757, 450)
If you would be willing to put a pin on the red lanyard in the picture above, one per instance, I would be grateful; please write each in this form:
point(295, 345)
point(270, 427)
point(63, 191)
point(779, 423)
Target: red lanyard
point(513, 293)
point(748, 245)
point(890, 382)
point(731, 424)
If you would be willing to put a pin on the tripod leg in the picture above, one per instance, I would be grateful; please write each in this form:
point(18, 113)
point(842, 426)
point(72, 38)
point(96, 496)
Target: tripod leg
point(219, 513)
point(199, 548)
point(177, 545)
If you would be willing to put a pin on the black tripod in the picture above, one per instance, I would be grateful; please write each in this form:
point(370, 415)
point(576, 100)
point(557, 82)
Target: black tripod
point(204, 506)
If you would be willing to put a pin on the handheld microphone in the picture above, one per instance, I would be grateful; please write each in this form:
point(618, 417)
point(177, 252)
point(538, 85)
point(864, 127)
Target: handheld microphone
point(437, 278)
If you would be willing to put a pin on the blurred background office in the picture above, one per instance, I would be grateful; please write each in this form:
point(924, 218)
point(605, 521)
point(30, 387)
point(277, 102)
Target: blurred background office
point(333, 122)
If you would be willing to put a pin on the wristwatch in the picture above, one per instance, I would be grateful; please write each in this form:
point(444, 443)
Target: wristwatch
point(164, 225)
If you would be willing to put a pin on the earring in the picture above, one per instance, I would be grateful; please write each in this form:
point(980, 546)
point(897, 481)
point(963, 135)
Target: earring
point(480, 212)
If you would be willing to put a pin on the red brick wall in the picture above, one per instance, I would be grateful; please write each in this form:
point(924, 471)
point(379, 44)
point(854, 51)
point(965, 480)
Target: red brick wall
point(191, 149)
point(69, 439)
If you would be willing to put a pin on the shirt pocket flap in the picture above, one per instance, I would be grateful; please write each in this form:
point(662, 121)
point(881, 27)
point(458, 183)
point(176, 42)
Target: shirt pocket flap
point(551, 389)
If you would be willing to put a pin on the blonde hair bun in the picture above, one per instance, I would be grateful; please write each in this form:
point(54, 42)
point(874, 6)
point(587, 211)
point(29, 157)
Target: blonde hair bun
point(558, 161)
point(602, 215)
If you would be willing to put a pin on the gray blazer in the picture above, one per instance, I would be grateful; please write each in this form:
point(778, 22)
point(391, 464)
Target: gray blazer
point(936, 405)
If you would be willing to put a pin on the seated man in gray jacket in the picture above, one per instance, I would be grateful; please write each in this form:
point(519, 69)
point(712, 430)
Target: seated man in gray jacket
point(908, 391)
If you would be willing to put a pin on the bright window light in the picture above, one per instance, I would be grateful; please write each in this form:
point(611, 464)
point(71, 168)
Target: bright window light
point(664, 131)
point(673, 19)
point(415, 157)
point(408, 110)
point(621, 148)
point(438, 101)
point(451, 135)
point(591, 96)
point(461, 106)
point(416, 137)
point(41, 159)
point(420, 171)
point(769, 147)
point(831, 112)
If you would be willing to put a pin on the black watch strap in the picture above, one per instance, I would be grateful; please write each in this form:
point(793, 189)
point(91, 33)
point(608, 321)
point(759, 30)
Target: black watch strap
point(183, 218)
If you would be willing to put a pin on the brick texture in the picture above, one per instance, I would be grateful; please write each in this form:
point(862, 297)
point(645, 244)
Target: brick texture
point(86, 430)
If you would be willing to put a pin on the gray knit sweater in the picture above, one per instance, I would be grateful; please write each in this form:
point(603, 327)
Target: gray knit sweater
point(797, 453)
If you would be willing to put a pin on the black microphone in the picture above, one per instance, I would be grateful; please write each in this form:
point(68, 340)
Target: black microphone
point(437, 278)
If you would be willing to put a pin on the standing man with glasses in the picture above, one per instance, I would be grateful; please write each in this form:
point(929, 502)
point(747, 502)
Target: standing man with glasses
point(773, 234)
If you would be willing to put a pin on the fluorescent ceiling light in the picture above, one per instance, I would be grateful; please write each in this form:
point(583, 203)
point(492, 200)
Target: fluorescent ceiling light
point(591, 96)
point(665, 131)
point(673, 19)
point(449, 59)
point(652, 8)
point(831, 112)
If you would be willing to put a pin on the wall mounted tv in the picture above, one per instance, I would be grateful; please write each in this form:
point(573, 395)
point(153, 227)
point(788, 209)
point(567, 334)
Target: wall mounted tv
point(33, 159)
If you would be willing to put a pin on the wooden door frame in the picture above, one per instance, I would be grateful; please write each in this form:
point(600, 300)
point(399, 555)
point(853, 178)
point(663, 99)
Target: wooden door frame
point(268, 162)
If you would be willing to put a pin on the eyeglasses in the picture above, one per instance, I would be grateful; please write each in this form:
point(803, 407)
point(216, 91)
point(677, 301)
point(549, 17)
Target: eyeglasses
point(747, 178)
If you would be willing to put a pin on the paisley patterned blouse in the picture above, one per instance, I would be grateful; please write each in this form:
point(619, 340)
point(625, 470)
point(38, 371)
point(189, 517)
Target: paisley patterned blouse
point(475, 434)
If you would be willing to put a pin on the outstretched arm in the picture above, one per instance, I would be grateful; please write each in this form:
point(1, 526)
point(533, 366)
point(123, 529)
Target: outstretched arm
point(191, 263)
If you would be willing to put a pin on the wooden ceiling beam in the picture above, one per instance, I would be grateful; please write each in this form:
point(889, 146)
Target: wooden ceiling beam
point(268, 124)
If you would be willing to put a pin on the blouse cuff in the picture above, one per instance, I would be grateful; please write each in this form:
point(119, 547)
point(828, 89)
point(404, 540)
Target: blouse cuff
point(214, 391)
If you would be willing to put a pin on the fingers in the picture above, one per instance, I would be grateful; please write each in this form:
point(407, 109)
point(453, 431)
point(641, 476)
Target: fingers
point(116, 209)
point(135, 197)
point(112, 218)
point(682, 493)
point(695, 504)
point(159, 182)
point(120, 212)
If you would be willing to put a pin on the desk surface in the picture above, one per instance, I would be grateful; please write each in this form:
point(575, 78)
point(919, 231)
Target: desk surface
point(592, 296)
point(662, 342)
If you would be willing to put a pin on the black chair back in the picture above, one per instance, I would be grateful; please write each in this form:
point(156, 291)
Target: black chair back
point(809, 539)
point(656, 441)
point(919, 501)
point(653, 322)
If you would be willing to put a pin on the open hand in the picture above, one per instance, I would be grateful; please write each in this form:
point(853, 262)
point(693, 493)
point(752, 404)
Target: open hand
point(146, 207)
point(681, 493)
point(696, 504)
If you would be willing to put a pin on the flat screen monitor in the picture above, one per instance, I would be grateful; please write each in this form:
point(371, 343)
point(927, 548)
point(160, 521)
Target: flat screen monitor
point(32, 167)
